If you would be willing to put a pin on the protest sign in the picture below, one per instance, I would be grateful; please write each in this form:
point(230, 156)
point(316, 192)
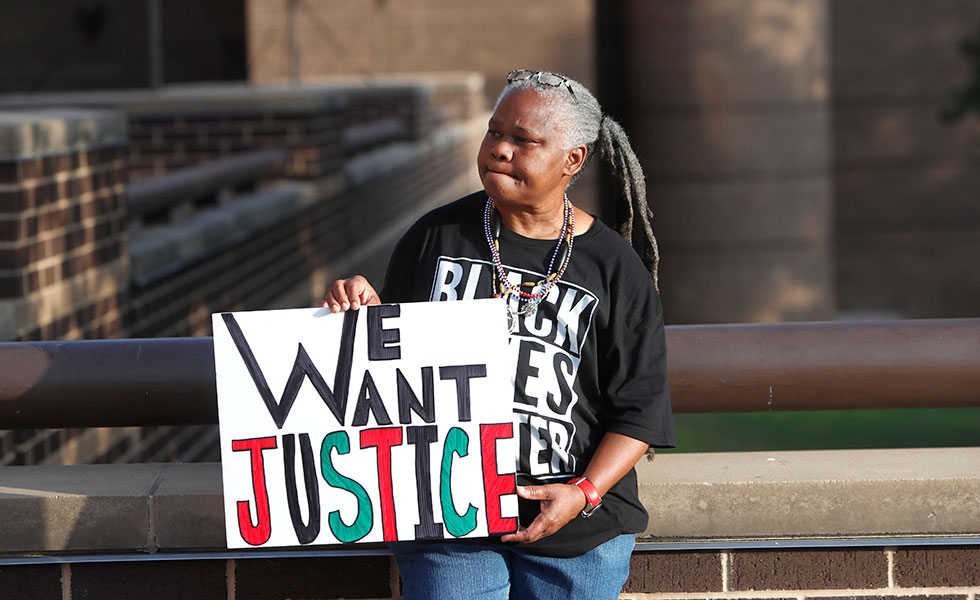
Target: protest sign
point(393, 422)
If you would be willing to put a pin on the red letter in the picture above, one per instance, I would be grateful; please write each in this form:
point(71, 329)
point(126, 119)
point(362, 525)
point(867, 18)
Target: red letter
point(255, 535)
point(384, 438)
point(496, 485)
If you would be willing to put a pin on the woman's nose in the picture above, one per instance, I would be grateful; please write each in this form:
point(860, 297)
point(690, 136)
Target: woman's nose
point(501, 150)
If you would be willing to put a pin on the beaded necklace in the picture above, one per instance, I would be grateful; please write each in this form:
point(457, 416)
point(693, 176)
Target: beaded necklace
point(500, 284)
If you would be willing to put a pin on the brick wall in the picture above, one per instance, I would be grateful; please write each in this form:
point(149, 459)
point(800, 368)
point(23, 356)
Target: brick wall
point(59, 210)
point(403, 36)
point(104, 44)
point(797, 165)
point(311, 128)
point(346, 37)
point(266, 579)
point(62, 214)
point(899, 540)
point(164, 142)
point(64, 266)
point(61, 221)
point(907, 216)
point(728, 111)
point(63, 262)
point(937, 572)
point(866, 573)
point(254, 273)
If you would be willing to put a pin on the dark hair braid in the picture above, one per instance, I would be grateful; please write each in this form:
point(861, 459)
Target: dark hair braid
point(631, 199)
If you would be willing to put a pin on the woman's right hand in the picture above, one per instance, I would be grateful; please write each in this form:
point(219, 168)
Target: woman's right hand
point(350, 293)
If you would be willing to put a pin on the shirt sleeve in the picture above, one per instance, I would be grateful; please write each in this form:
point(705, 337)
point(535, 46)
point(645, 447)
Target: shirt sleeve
point(637, 393)
point(401, 278)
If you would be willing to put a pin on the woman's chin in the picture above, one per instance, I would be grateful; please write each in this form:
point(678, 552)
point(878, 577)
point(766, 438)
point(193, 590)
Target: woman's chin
point(499, 187)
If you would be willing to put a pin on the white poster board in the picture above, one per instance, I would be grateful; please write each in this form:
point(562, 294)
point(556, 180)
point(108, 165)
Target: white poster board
point(393, 422)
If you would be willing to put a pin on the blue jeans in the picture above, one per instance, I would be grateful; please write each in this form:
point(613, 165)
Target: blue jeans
point(480, 569)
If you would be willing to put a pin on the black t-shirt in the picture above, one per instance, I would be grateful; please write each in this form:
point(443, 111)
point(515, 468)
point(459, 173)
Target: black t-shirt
point(591, 360)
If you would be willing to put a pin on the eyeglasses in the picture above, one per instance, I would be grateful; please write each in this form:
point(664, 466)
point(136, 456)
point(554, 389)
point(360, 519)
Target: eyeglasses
point(546, 78)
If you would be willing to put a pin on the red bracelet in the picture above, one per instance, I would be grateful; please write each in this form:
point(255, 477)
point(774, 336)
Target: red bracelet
point(592, 498)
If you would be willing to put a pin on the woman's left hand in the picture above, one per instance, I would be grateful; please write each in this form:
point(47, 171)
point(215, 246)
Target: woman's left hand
point(560, 503)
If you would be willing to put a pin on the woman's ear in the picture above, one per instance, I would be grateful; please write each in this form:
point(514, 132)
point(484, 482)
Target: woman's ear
point(575, 160)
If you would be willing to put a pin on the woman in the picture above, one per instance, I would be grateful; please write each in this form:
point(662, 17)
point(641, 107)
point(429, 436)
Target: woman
point(587, 339)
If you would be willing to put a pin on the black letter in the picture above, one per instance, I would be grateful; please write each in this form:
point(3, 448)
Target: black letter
point(408, 400)
point(369, 398)
point(378, 337)
point(421, 436)
point(462, 374)
point(525, 370)
point(307, 532)
point(302, 366)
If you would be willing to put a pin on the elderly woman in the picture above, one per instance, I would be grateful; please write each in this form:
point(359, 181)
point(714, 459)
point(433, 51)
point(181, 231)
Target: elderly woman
point(587, 342)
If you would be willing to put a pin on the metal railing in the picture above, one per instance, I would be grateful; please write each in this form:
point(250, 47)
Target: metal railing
point(711, 368)
point(156, 194)
point(364, 136)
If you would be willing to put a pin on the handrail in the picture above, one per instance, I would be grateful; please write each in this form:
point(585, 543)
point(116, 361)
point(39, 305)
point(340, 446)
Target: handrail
point(365, 135)
point(932, 363)
point(157, 193)
point(107, 383)
point(711, 368)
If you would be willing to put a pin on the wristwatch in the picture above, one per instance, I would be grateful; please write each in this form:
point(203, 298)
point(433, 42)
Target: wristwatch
point(592, 498)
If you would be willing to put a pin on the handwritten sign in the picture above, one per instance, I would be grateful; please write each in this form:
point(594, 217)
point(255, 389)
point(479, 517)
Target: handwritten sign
point(393, 422)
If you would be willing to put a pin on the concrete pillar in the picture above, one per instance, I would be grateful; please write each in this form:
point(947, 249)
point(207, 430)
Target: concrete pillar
point(63, 265)
point(728, 109)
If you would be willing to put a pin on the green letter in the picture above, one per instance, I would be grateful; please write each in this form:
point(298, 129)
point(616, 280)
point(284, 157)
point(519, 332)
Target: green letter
point(458, 525)
point(365, 515)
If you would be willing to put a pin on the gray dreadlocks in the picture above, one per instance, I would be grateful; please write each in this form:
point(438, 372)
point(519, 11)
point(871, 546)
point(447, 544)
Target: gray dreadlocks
point(581, 120)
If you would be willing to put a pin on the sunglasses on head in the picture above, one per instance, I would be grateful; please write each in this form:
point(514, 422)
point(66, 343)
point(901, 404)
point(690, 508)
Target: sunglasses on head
point(545, 78)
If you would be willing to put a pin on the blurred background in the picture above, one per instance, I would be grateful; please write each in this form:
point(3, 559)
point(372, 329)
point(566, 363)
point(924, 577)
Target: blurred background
point(162, 160)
